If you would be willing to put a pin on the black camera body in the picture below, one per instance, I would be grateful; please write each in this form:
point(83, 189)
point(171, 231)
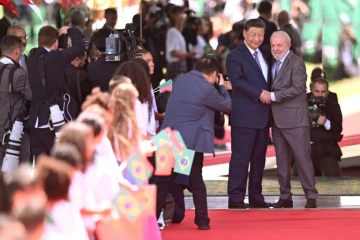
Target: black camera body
point(120, 44)
point(316, 107)
point(64, 41)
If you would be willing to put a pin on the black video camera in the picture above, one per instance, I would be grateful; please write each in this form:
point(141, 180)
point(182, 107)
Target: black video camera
point(120, 44)
point(317, 107)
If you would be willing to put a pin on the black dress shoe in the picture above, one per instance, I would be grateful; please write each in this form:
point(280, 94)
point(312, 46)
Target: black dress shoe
point(204, 227)
point(238, 205)
point(282, 203)
point(262, 204)
point(311, 203)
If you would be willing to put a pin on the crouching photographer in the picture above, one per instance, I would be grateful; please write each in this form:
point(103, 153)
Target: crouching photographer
point(325, 132)
point(51, 105)
point(15, 95)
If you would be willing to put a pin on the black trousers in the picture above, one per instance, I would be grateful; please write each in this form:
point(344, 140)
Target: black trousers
point(197, 187)
point(42, 140)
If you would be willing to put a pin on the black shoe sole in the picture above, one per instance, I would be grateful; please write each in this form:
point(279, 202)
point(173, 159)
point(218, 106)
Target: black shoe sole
point(282, 207)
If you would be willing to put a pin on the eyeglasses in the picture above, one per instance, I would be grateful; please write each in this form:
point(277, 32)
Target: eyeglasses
point(24, 37)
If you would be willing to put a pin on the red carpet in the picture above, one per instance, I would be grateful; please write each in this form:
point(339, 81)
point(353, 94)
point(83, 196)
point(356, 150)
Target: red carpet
point(270, 224)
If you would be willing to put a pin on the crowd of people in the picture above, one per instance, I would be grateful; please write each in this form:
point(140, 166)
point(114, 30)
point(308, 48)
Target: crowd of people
point(72, 118)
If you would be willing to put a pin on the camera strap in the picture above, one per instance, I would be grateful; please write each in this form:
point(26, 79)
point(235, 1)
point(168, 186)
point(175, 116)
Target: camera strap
point(42, 76)
point(78, 86)
point(10, 83)
point(11, 80)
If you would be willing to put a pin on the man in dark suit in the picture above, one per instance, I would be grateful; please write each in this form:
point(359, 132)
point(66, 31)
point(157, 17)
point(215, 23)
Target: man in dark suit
point(77, 81)
point(319, 73)
point(264, 9)
point(190, 110)
point(247, 67)
point(55, 62)
point(325, 150)
point(291, 125)
point(100, 72)
point(111, 18)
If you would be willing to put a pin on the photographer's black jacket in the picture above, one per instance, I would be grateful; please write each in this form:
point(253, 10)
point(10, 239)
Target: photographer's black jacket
point(328, 140)
point(101, 72)
point(55, 63)
point(77, 83)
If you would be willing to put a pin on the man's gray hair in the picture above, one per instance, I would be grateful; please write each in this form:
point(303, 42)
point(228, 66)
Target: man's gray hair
point(15, 27)
point(283, 34)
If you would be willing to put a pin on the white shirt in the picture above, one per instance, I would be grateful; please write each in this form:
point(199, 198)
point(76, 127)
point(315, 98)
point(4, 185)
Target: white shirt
point(142, 116)
point(153, 124)
point(77, 190)
point(199, 48)
point(101, 181)
point(175, 41)
point(22, 62)
point(6, 60)
point(263, 64)
point(67, 222)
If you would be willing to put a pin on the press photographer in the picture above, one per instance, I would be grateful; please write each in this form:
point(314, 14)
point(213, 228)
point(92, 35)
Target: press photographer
point(15, 94)
point(326, 128)
point(101, 71)
point(51, 105)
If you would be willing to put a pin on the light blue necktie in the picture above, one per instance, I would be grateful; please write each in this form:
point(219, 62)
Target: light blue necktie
point(277, 65)
point(257, 59)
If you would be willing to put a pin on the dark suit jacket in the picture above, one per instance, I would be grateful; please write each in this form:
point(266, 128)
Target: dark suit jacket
point(55, 63)
point(4, 25)
point(191, 108)
point(327, 140)
point(270, 29)
point(77, 83)
point(101, 72)
point(247, 82)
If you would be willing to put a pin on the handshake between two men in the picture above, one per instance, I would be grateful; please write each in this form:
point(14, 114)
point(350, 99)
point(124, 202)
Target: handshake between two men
point(265, 97)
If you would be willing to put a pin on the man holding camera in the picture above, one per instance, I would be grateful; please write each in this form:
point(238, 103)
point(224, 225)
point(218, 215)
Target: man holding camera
point(46, 68)
point(14, 91)
point(101, 71)
point(326, 133)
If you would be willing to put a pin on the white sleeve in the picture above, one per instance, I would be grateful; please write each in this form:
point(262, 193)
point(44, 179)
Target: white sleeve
point(172, 41)
point(77, 192)
point(139, 114)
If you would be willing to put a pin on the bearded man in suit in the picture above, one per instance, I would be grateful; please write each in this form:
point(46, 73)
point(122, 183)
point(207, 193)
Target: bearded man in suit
point(291, 122)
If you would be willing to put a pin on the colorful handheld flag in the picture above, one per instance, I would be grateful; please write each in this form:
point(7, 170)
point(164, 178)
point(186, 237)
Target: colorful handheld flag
point(166, 86)
point(137, 170)
point(146, 195)
point(183, 162)
point(7, 4)
point(127, 204)
point(179, 143)
point(164, 160)
point(162, 138)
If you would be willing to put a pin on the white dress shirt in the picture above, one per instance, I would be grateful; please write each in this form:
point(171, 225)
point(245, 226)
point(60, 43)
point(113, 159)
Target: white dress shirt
point(22, 62)
point(263, 64)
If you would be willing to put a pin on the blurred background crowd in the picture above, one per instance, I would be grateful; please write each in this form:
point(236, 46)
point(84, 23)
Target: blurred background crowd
point(326, 28)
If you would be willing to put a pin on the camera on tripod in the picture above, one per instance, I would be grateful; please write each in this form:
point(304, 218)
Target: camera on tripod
point(316, 108)
point(120, 44)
